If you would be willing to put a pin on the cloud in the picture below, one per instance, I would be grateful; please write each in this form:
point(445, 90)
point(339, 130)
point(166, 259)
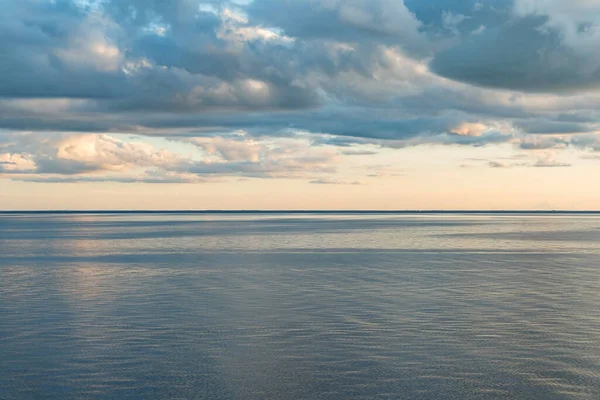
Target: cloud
point(80, 154)
point(61, 50)
point(279, 164)
point(346, 21)
point(451, 18)
point(470, 129)
point(141, 178)
point(550, 163)
point(576, 21)
point(503, 163)
point(542, 143)
point(103, 152)
point(141, 67)
point(547, 159)
point(97, 158)
point(358, 152)
point(543, 126)
point(231, 150)
point(324, 181)
point(536, 159)
point(588, 142)
point(15, 163)
point(518, 55)
point(542, 46)
point(499, 164)
point(452, 21)
point(307, 81)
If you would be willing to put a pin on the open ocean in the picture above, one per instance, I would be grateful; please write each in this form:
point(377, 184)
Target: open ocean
point(299, 306)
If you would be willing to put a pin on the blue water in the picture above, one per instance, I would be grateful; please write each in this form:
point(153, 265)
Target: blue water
point(165, 306)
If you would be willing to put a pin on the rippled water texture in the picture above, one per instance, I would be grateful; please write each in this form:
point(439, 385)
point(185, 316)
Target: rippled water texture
point(299, 307)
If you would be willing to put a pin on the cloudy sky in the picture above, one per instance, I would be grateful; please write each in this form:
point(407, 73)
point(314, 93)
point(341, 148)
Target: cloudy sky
point(299, 104)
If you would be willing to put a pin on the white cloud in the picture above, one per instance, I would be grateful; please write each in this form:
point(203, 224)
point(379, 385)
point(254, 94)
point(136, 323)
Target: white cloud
point(577, 20)
point(237, 32)
point(470, 129)
point(90, 46)
point(104, 152)
point(387, 16)
point(231, 150)
point(548, 160)
point(451, 21)
point(101, 157)
point(12, 162)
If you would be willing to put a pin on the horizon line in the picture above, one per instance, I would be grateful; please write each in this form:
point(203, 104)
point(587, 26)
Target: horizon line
point(300, 211)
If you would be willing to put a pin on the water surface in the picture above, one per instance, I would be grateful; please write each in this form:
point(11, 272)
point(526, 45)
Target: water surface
point(250, 306)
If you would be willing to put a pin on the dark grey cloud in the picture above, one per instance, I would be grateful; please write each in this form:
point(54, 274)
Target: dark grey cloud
point(381, 21)
point(354, 122)
point(517, 55)
point(544, 143)
point(527, 52)
point(586, 142)
point(543, 126)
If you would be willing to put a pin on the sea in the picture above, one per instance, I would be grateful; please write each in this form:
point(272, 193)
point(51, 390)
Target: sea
point(299, 306)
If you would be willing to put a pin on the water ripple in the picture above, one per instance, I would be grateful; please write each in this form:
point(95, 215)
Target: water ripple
point(327, 307)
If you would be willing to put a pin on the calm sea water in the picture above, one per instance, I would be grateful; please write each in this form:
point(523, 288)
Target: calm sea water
point(299, 307)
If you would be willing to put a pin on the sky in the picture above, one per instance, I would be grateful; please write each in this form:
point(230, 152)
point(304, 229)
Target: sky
point(299, 104)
